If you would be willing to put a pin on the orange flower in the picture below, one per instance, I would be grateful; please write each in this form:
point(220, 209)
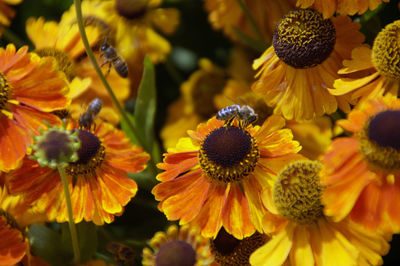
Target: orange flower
point(342, 7)
point(15, 214)
point(215, 178)
point(372, 72)
point(98, 181)
point(361, 172)
point(301, 65)
point(30, 87)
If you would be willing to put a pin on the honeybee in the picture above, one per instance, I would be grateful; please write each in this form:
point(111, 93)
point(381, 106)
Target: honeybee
point(111, 57)
point(87, 118)
point(245, 114)
point(124, 255)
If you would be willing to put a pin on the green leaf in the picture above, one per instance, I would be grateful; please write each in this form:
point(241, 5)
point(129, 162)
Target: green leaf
point(126, 129)
point(48, 245)
point(145, 108)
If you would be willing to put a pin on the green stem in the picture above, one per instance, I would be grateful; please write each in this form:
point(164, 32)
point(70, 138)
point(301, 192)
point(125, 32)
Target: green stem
point(72, 228)
point(103, 79)
point(253, 24)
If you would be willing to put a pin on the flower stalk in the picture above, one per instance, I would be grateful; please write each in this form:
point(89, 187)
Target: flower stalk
point(72, 227)
point(79, 18)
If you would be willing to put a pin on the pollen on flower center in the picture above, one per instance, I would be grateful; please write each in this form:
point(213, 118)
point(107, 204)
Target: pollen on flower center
point(231, 251)
point(65, 63)
point(91, 154)
point(303, 38)
point(297, 192)
point(379, 141)
point(4, 91)
point(176, 252)
point(386, 51)
point(228, 154)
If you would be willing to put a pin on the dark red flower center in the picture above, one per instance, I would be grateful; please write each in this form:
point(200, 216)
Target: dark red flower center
point(227, 146)
point(384, 129)
point(177, 253)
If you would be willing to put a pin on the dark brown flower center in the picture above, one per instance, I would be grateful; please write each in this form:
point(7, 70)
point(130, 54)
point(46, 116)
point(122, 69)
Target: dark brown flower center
point(386, 51)
point(91, 154)
point(297, 192)
point(380, 141)
point(303, 38)
point(229, 251)
point(228, 154)
point(131, 9)
point(177, 253)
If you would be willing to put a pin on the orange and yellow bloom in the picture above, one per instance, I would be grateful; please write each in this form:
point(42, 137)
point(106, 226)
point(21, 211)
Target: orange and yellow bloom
point(296, 72)
point(215, 178)
point(30, 88)
point(98, 182)
point(362, 171)
point(371, 73)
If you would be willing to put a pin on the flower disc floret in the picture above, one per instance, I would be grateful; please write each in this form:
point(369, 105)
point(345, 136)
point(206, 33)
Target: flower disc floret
point(386, 51)
point(228, 154)
point(303, 38)
point(4, 91)
point(379, 142)
point(231, 251)
point(65, 63)
point(176, 252)
point(56, 147)
point(297, 192)
point(90, 155)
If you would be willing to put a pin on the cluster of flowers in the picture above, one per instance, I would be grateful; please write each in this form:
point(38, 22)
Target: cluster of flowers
point(288, 189)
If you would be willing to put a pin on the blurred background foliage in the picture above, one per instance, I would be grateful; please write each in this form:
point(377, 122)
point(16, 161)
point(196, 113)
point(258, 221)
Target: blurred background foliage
point(194, 39)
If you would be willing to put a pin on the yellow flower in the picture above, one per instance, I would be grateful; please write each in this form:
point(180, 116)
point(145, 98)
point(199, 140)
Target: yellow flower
point(295, 80)
point(178, 246)
point(6, 12)
point(302, 235)
point(62, 41)
point(342, 7)
point(362, 171)
point(133, 30)
point(98, 181)
point(214, 178)
point(372, 73)
point(227, 15)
